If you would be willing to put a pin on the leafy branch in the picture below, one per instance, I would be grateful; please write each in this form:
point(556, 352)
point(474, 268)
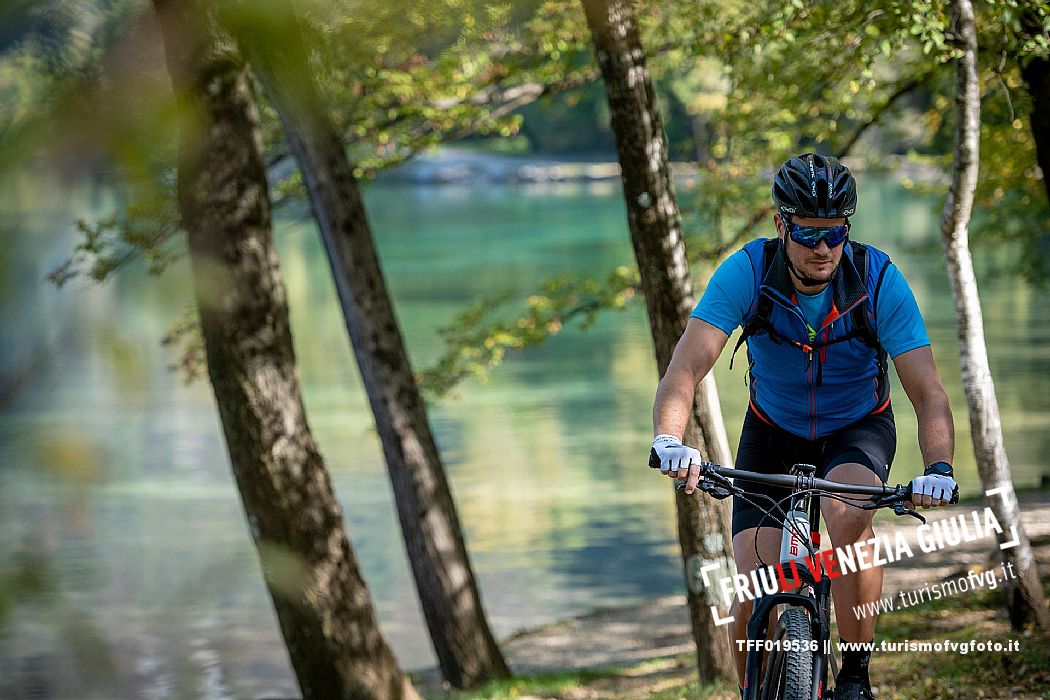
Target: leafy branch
point(476, 342)
point(144, 229)
point(186, 337)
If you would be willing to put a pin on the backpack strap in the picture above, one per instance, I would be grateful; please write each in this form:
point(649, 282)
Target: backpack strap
point(862, 323)
point(758, 321)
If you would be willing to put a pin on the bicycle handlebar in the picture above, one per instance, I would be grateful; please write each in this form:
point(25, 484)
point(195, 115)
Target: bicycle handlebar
point(789, 481)
point(880, 496)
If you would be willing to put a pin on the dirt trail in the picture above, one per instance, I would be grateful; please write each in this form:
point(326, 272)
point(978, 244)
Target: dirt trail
point(660, 628)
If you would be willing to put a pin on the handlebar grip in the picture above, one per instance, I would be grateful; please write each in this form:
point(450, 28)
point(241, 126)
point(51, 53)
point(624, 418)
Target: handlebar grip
point(955, 495)
point(654, 459)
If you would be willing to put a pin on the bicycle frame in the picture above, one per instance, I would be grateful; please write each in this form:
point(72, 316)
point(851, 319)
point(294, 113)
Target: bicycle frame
point(813, 595)
point(817, 602)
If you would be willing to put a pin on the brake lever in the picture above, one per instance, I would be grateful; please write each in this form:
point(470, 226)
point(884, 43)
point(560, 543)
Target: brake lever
point(899, 509)
point(715, 485)
point(715, 490)
point(896, 502)
point(711, 488)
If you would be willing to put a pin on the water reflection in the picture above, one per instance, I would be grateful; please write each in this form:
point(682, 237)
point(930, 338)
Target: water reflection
point(126, 568)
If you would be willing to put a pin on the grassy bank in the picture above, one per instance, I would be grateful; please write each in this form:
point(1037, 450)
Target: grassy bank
point(903, 675)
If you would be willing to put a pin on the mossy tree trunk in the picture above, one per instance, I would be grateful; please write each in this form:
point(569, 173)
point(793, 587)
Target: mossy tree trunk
point(656, 234)
point(322, 603)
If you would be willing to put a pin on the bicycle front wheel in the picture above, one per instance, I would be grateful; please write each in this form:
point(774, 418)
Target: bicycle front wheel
point(789, 668)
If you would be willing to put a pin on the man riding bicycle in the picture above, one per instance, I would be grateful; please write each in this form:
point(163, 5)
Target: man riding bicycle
point(820, 315)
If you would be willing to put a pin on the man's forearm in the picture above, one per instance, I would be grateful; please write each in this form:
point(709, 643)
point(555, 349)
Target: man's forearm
point(936, 429)
point(673, 405)
point(693, 358)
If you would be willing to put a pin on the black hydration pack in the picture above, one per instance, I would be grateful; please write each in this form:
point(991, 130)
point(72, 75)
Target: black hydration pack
point(861, 315)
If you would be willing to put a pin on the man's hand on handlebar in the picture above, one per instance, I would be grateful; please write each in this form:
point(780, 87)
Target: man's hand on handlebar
point(676, 460)
point(932, 490)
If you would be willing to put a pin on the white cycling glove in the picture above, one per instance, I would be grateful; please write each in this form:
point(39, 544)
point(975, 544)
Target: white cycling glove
point(937, 483)
point(669, 454)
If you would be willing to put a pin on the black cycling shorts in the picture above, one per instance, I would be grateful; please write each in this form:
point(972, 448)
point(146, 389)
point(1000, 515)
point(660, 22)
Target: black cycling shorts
point(770, 449)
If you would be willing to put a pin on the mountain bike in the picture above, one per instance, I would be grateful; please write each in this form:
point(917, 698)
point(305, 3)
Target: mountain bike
point(800, 651)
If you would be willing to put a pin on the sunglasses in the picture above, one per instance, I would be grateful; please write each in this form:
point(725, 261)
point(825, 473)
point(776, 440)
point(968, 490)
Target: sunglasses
point(810, 236)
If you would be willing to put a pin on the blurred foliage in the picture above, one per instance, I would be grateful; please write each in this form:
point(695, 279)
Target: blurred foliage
point(741, 86)
point(61, 64)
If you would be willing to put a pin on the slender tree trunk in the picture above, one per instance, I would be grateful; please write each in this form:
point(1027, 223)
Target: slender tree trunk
point(462, 639)
point(322, 603)
point(1036, 75)
point(656, 233)
point(1024, 595)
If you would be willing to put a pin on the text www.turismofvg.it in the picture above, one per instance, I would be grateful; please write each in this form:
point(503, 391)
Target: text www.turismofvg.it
point(972, 581)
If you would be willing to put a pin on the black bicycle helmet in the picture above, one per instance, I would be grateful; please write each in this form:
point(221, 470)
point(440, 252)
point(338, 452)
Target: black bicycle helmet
point(814, 186)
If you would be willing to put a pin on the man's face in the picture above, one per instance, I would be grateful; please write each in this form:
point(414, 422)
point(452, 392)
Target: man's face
point(817, 263)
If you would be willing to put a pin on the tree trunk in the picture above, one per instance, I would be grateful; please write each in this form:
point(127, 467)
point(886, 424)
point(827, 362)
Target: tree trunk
point(322, 603)
point(656, 234)
point(1036, 75)
point(464, 644)
point(1024, 595)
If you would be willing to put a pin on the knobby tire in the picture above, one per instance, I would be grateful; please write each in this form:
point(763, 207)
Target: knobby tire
point(789, 672)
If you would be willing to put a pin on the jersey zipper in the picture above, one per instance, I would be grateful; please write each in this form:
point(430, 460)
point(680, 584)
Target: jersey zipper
point(811, 335)
point(812, 383)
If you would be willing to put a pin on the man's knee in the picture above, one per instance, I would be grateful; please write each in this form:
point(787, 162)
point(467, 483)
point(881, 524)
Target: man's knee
point(848, 523)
